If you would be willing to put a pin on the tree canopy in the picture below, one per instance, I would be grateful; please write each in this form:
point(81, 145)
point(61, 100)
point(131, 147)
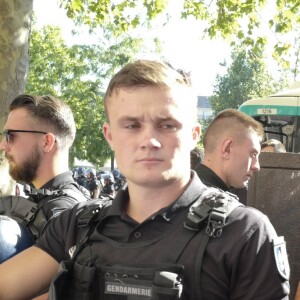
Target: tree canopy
point(246, 78)
point(240, 20)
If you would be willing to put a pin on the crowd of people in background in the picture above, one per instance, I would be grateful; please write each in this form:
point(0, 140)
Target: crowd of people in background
point(101, 183)
point(108, 183)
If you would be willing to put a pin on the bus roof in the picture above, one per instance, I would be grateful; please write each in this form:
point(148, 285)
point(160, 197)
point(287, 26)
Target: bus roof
point(284, 103)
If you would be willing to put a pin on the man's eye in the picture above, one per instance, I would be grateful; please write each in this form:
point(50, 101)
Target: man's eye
point(10, 137)
point(168, 126)
point(132, 126)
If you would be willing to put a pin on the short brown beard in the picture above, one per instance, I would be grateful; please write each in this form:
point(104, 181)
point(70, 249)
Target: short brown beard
point(26, 171)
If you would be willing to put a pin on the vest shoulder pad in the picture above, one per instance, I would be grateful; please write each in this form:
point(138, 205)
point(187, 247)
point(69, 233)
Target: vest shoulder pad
point(212, 209)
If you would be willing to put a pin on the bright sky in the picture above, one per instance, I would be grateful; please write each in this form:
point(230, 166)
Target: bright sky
point(182, 45)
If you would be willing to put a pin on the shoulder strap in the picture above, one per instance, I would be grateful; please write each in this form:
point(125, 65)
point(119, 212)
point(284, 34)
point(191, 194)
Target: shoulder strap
point(38, 198)
point(41, 196)
point(16, 207)
point(212, 209)
point(87, 218)
point(78, 192)
point(24, 209)
point(36, 194)
point(206, 216)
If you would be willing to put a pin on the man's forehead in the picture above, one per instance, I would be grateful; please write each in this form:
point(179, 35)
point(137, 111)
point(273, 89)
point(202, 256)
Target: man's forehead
point(18, 117)
point(177, 91)
point(163, 103)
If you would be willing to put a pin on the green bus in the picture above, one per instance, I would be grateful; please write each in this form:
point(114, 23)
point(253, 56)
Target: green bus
point(280, 116)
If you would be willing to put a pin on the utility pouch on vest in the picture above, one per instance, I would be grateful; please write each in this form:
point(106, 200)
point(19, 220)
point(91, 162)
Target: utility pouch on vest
point(74, 281)
point(142, 282)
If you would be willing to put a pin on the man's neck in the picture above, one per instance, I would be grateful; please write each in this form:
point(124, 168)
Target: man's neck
point(43, 177)
point(144, 202)
point(216, 166)
point(50, 167)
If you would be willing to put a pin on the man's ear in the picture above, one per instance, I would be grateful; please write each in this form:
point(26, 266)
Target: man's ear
point(107, 134)
point(196, 133)
point(226, 148)
point(49, 142)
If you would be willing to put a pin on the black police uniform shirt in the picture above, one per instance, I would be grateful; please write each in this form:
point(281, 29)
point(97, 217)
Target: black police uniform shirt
point(240, 264)
point(60, 180)
point(82, 180)
point(64, 180)
point(210, 178)
point(108, 189)
point(92, 185)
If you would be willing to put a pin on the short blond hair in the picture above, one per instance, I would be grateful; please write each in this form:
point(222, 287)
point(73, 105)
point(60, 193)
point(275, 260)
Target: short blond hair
point(147, 73)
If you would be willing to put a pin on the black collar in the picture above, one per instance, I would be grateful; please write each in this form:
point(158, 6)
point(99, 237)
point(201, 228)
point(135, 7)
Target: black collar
point(210, 178)
point(193, 191)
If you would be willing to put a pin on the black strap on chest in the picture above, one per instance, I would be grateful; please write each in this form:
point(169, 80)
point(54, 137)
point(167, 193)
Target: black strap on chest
point(25, 209)
point(39, 197)
point(207, 217)
point(87, 220)
point(209, 212)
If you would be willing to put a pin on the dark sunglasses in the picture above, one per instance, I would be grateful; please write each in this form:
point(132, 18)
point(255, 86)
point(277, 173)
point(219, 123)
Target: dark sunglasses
point(9, 133)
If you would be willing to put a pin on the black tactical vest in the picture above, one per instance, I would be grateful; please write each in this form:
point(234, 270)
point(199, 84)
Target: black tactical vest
point(105, 269)
point(40, 206)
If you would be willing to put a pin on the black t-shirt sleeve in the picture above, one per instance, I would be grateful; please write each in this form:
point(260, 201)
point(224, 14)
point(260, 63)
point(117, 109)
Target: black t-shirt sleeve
point(255, 273)
point(59, 236)
point(240, 264)
point(55, 206)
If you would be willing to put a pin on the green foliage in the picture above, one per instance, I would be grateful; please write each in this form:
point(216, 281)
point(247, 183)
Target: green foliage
point(242, 21)
point(239, 20)
point(246, 78)
point(123, 14)
point(72, 74)
point(204, 125)
point(78, 74)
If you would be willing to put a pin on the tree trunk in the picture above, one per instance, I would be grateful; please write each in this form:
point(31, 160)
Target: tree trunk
point(15, 25)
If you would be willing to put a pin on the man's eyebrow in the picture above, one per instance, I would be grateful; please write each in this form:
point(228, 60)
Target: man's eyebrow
point(140, 119)
point(128, 118)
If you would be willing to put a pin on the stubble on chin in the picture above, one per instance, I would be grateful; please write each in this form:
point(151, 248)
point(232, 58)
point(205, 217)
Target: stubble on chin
point(27, 170)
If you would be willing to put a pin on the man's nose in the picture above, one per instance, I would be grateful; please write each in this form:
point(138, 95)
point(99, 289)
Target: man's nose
point(150, 139)
point(3, 143)
point(256, 165)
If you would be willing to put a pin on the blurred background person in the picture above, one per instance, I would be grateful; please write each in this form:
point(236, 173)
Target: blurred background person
point(197, 156)
point(108, 185)
point(92, 183)
point(273, 145)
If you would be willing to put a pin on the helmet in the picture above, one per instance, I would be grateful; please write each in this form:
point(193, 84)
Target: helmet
point(116, 173)
point(14, 238)
point(109, 177)
point(91, 172)
point(80, 171)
